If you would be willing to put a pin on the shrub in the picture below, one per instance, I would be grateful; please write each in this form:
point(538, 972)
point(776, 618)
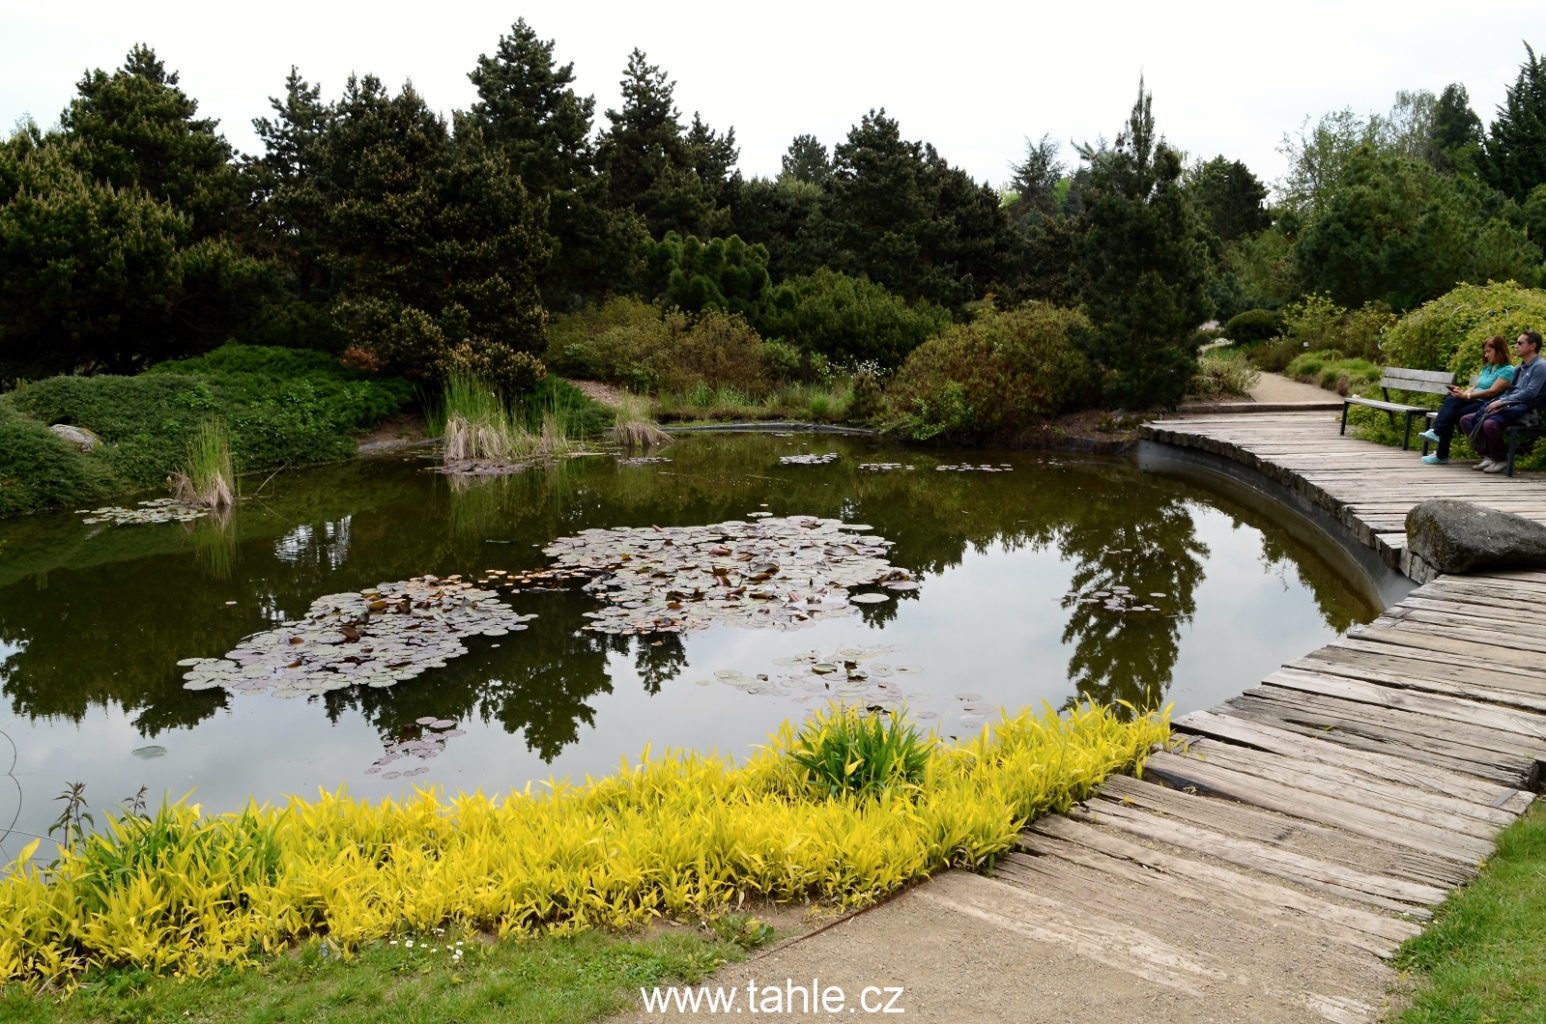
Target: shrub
point(720, 349)
point(513, 373)
point(632, 343)
point(868, 400)
point(1219, 375)
point(1254, 325)
point(848, 319)
point(784, 362)
point(1447, 333)
point(281, 406)
point(995, 375)
point(1329, 369)
point(1315, 322)
point(620, 341)
point(39, 470)
point(724, 274)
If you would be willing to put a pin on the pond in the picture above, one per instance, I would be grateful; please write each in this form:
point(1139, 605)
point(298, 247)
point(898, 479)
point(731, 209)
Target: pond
point(1010, 578)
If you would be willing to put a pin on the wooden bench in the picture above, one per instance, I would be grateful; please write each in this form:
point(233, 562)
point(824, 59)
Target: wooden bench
point(1432, 382)
point(1520, 431)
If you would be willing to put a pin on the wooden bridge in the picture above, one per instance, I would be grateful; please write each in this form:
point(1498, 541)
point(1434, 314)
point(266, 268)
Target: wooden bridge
point(1270, 869)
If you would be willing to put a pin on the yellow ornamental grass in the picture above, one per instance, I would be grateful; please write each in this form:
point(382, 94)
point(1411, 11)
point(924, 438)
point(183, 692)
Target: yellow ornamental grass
point(673, 835)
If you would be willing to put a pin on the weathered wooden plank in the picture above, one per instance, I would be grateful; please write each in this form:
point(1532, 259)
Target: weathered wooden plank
point(1381, 764)
point(1309, 872)
point(1361, 733)
point(1290, 832)
point(1476, 716)
point(1429, 833)
point(1351, 785)
point(1511, 777)
point(1119, 891)
point(1072, 839)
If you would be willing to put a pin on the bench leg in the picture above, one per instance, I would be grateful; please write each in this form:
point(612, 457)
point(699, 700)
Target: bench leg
point(1406, 435)
point(1344, 419)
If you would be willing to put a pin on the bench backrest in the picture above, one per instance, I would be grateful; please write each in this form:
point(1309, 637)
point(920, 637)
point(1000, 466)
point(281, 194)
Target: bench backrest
point(1433, 382)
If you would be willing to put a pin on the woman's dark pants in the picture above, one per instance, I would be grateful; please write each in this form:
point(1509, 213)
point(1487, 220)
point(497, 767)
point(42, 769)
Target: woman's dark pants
point(1450, 412)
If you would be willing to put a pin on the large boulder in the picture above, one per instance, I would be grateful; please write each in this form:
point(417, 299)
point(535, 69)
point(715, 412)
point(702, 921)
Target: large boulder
point(80, 437)
point(1457, 536)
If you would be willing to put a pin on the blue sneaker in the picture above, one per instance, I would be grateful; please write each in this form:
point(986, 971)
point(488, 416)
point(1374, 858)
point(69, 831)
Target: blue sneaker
point(1429, 435)
point(1434, 460)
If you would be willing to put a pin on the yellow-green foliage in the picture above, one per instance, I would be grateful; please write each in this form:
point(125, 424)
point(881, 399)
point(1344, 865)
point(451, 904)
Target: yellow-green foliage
point(1447, 333)
point(679, 834)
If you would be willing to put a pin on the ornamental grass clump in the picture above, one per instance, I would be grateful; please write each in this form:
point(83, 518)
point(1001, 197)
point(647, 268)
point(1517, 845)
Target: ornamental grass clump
point(208, 476)
point(677, 835)
point(634, 426)
point(845, 750)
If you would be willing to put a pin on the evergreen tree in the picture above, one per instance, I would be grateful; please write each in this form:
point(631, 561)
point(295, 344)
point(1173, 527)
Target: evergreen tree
point(1515, 159)
point(895, 212)
point(647, 160)
point(1142, 266)
point(806, 161)
point(773, 214)
point(1455, 145)
point(527, 109)
point(1396, 231)
point(138, 129)
point(1034, 180)
point(713, 157)
point(124, 234)
point(1229, 198)
point(432, 245)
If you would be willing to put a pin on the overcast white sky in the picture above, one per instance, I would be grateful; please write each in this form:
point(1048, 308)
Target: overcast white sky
point(975, 79)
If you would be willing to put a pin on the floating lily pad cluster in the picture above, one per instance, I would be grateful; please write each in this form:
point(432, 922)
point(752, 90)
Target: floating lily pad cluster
point(811, 459)
point(159, 510)
point(967, 467)
point(430, 743)
point(375, 638)
point(1117, 599)
point(643, 460)
point(851, 675)
point(777, 573)
point(882, 467)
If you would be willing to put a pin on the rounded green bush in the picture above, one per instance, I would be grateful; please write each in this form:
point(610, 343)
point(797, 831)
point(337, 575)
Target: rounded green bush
point(1252, 326)
point(996, 375)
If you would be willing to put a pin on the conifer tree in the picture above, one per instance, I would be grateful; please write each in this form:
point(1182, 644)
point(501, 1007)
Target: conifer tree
point(806, 160)
point(1516, 140)
point(1456, 142)
point(1142, 267)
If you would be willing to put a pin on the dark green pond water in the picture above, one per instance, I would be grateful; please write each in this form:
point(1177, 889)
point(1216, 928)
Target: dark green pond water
point(94, 618)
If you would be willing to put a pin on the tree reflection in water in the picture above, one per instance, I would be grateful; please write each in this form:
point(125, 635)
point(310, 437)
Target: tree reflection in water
point(98, 618)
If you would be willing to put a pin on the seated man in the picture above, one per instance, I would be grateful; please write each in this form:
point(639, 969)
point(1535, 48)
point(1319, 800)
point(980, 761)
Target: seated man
point(1510, 407)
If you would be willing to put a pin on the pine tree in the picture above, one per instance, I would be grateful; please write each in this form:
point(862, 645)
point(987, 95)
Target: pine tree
point(806, 161)
point(1515, 160)
point(1142, 267)
point(528, 110)
point(1229, 198)
point(1456, 142)
point(1034, 180)
point(647, 161)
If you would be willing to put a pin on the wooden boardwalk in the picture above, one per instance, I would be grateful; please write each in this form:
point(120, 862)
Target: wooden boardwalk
point(1322, 814)
point(1268, 870)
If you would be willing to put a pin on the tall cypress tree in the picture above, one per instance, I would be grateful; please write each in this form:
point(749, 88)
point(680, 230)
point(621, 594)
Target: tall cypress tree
point(1142, 267)
point(1516, 140)
point(1455, 145)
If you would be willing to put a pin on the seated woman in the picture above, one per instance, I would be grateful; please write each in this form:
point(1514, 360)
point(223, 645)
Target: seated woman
point(1496, 377)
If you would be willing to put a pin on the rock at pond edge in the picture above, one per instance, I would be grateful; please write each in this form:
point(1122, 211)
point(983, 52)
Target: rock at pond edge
point(1458, 536)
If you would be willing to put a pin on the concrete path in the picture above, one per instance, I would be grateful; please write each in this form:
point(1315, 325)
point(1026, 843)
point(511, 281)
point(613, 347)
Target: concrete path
point(1272, 393)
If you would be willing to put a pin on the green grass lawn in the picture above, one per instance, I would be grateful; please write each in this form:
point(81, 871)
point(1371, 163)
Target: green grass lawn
point(1483, 961)
point(563, 980)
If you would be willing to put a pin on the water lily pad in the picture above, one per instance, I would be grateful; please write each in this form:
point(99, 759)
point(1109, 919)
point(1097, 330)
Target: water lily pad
point(152, 751)
point(869, 598)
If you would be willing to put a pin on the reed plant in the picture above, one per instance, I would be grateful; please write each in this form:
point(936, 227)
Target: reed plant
point(635, 426)
point(208, 475)
point(680, 835)
point(477, 423)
